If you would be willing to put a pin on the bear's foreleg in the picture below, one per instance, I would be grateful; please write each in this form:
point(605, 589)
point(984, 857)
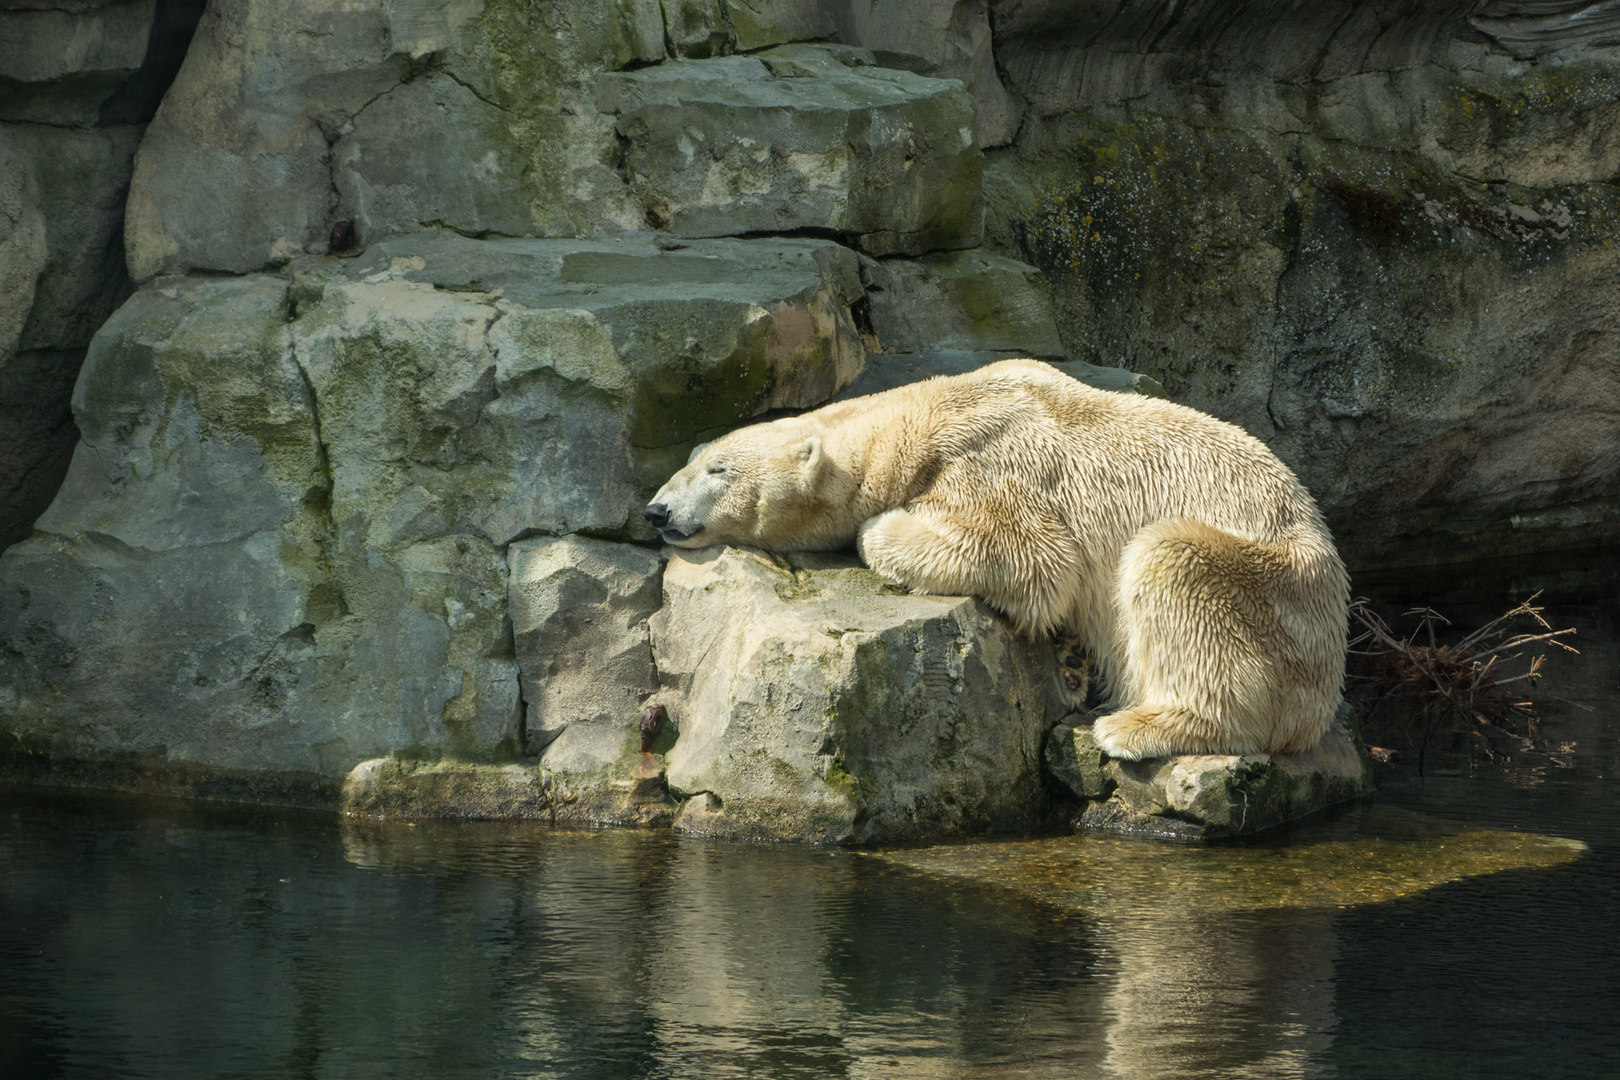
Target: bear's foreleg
point(1029, 573)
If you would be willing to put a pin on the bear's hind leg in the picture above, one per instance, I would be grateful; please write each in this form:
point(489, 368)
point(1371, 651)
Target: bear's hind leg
point(1205, 655)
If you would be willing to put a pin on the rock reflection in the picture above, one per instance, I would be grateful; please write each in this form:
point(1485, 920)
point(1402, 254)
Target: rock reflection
point(685, 958)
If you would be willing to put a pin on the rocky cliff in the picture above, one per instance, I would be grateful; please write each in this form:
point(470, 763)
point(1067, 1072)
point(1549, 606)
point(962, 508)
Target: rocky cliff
point(417, 300)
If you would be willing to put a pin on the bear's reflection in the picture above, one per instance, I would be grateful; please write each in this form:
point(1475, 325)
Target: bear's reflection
point(1242, 994)
point(683, 958)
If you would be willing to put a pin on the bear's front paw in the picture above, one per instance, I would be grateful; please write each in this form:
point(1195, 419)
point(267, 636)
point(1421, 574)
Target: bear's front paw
point(881, 546)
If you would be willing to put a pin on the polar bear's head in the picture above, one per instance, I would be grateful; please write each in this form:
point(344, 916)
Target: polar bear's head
point(770, 485)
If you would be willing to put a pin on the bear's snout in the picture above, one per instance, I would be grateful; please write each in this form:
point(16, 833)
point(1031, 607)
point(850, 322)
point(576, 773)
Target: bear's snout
point(657, 515)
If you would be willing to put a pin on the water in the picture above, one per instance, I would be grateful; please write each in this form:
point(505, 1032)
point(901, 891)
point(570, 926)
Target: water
point(1448, 929)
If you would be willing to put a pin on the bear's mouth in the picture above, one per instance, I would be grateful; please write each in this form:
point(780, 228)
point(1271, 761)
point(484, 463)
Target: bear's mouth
point(675, 536)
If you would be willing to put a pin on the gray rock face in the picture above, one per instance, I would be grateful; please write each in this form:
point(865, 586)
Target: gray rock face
point(813, 704)
point(604, 361)
point(756, 24)
point(1384, 245)
point(801, 137)
point(22, 243)
point(269, 136)
point(59, 62)
point(283, 540)
point(1208, 795)
point(943, 39)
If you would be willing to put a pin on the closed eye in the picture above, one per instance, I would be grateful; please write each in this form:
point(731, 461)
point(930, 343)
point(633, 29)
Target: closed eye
point(716, 470)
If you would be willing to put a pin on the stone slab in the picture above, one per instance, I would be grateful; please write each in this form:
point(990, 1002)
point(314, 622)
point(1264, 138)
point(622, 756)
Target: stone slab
point(801, 137)
point(394, 787)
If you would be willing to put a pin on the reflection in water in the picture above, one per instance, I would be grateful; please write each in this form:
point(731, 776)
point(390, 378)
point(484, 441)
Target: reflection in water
point(1220, 997)
point(176, 941)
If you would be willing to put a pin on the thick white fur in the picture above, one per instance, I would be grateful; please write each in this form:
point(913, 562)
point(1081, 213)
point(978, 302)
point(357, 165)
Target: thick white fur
point(1191, 559)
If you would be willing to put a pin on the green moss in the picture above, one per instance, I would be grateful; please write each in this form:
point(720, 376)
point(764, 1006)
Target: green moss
point(843, 781)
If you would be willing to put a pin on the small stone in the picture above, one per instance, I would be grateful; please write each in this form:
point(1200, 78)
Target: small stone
point(1073, 757)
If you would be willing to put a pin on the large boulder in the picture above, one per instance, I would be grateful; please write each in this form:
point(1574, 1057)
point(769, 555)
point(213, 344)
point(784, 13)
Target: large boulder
point(801, 137)
point(283, 542)
point(598, 364)
point(471, 115)
point(815, 703)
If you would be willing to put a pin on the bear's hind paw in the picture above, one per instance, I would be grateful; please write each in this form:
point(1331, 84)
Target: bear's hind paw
point(1127, 735)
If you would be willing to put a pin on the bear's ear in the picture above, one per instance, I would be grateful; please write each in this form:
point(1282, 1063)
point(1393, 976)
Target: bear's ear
point(696, 450)
point(809, 456)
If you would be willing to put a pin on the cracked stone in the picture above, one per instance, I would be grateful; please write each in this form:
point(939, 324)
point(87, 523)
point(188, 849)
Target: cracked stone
point(579, 610)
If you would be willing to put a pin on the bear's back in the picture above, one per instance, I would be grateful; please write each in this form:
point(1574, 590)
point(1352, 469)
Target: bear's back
point(1132, 458)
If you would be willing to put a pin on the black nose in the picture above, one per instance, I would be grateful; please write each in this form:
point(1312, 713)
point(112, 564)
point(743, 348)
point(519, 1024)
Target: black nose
point(657, 515)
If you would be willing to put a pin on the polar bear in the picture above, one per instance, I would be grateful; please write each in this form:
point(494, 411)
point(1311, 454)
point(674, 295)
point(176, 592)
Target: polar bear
point(1193, 561)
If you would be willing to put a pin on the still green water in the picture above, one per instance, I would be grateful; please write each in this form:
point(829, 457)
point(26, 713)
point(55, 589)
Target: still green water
point(1456, 926)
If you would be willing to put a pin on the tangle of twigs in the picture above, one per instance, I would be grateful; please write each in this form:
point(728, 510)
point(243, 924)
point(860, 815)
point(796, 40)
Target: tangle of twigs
point(1422, 690)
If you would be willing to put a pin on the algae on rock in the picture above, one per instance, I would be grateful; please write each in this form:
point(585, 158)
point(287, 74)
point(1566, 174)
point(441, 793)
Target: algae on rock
point(1382, 245)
